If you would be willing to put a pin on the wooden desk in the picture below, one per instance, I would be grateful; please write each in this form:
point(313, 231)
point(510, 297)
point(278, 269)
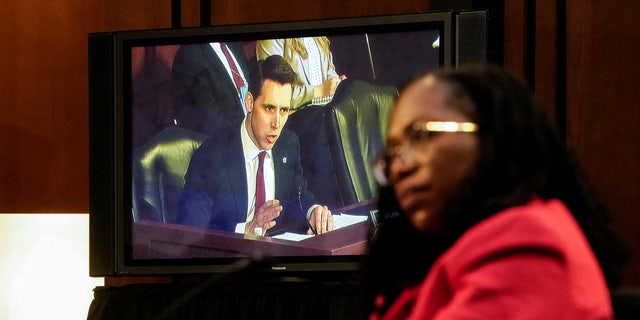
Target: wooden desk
point(153, 240)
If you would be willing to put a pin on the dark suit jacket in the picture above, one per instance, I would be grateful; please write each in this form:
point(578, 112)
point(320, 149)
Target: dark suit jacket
point(205, 98)
point(215, 192)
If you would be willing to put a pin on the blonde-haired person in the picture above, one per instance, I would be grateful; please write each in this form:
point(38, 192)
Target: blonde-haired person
point(311, 59)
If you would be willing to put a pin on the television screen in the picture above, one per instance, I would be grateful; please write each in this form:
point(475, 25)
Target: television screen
point(171, 191)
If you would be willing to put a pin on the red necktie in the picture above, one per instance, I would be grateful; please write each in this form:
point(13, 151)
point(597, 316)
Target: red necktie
point(237, 79)
point(260, 194)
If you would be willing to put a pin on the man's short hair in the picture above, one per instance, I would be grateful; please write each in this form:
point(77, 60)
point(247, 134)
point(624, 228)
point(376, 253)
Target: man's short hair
point(273, 68)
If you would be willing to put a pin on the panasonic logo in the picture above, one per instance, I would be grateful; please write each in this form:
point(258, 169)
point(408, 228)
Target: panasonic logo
point(276, 268)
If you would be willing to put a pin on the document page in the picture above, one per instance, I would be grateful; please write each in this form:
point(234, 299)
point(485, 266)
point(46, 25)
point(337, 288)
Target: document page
point(339, 221)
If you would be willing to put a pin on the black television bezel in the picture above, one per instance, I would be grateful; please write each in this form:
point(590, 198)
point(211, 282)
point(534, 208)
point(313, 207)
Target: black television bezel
point(110, 190)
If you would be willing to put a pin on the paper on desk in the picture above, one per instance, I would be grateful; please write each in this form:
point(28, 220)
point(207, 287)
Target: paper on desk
point(339, 221)
point(285, 236)
point(344, 220)
point(292, 236)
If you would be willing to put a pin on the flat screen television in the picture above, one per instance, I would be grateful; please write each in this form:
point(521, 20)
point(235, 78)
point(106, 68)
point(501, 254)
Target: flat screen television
point(146, 86)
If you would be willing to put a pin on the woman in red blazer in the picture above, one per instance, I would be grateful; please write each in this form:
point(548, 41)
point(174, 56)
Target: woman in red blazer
point(496, 220)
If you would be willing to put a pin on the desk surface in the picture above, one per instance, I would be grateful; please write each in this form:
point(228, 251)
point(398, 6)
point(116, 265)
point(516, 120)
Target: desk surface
point(153, 240)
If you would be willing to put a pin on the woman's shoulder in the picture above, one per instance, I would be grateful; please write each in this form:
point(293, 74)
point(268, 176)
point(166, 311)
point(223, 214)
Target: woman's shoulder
point(526, 252)
point(537, 216)
point(540, 224)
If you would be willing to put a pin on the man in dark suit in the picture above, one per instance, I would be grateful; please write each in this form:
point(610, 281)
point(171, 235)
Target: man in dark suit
point(206, 98)
point(221, 191)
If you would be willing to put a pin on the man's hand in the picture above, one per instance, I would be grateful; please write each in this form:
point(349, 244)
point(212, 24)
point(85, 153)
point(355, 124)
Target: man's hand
point(263, 217)
point(321, 220)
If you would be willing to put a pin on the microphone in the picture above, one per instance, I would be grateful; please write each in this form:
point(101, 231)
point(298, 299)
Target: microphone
point(315, 233)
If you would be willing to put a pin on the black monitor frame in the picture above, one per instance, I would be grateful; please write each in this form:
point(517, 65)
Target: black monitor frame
point(463, 38)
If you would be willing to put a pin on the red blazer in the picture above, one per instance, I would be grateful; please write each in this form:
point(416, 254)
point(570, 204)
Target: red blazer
point(528, 262)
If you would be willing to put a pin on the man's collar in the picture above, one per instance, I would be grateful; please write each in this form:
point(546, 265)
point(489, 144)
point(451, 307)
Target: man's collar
point(249, 148)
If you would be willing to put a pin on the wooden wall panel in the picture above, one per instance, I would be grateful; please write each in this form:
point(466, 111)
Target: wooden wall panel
point(530, 35)
point(603, 116)
point(43, 94)
point(516, 46)
point(190, 13)
point(249, 11)
point(139, 14)
point(545, 58)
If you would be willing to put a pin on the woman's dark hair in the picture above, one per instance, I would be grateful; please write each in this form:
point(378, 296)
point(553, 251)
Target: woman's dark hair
point(522, 157)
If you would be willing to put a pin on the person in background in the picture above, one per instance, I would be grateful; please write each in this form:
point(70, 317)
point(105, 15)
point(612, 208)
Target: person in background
point(496, 219)
point(311, 59)
point(151, 109)
point(222, 189)
point(209, 84)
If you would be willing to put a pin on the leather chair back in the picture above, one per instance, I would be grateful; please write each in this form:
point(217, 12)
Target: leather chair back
point(158, 169)
point(339, 141)
point(361, 113)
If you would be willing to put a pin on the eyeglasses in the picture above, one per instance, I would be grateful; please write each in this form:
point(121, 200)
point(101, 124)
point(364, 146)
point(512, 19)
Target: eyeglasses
point(417, 135)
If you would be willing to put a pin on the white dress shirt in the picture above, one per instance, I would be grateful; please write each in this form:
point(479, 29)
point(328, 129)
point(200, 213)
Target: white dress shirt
point(251, 152)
